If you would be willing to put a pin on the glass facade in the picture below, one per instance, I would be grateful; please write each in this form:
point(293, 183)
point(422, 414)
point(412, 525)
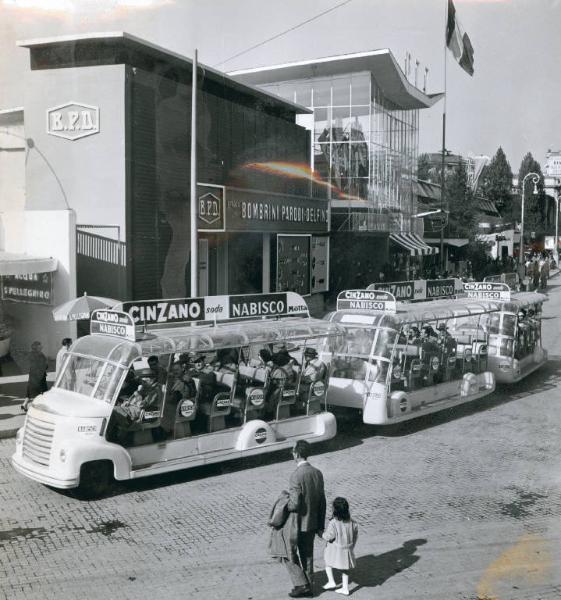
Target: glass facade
point(364, 147)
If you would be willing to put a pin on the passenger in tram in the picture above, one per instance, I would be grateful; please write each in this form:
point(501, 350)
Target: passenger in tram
point(281, 377)
point(180, 386)
point(227, 360)
point(147, 396)
point(429, 350)
point(208, 385)
point(313, 369)
point(414, 336)
point(158, 371)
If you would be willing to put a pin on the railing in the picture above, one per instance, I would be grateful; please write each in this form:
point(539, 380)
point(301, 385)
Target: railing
point(99, 247)
point(381, 222)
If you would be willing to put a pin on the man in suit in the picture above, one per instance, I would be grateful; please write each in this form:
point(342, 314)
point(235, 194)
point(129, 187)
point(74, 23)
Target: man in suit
point(307, 500)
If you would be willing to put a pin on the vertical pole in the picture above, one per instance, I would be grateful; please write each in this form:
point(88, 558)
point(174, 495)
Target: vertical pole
point(556, 251)
point(193, 212)
point(442, 177)
point(521, 251)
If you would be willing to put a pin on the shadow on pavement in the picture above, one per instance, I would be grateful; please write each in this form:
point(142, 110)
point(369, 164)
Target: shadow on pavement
point(373, 570)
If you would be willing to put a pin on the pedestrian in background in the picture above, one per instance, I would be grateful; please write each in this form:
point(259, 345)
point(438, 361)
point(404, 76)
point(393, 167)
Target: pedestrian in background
point(341, 536)
point(66, 343)
point(307, 500)
point(37, 382)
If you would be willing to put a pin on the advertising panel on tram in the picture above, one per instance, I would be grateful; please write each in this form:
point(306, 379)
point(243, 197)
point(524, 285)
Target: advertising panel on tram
point(164, 385)
point(401, 361)
point(514, 328)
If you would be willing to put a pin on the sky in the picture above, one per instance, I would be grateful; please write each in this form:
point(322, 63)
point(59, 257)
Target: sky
point(513, 100)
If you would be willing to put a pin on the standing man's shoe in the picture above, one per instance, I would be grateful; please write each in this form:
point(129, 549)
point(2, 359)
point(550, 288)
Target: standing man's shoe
point(301, 591)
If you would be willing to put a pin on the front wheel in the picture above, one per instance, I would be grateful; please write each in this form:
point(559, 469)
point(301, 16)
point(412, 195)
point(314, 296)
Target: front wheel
point(95, 479)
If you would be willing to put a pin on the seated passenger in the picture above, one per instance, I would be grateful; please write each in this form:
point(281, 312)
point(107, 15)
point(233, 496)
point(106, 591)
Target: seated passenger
point(147, 396)
point(281, 376)
point(227, 360)
point(158, 371)
point(314, 369)
point(208, 386)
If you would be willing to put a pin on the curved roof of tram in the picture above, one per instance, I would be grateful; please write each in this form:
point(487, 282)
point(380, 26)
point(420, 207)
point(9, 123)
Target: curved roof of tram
point(204, 338)
point(440, 310)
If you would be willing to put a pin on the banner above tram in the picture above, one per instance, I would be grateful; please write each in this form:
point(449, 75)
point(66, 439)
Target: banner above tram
point(215, 308)
point(421, 289)
point(487, 290)
point(366, 300)
point(112, 322)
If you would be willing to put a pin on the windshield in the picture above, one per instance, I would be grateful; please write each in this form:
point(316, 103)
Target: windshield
point(366, 342)
point(90, 376)
point(509, 325)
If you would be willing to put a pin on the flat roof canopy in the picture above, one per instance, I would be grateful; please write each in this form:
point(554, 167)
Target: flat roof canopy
point(381, 63)
point(12, 263)
point(120, 47)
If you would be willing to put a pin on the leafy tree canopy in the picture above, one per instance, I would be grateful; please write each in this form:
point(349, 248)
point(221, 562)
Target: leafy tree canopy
point(496, 182)
point(534, 204)
point(462, 205)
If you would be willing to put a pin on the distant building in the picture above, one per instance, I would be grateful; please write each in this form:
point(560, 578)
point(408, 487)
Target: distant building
point(552, 167)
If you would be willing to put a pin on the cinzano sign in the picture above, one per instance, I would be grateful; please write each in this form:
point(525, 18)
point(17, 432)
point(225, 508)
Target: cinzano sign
point(73, 120)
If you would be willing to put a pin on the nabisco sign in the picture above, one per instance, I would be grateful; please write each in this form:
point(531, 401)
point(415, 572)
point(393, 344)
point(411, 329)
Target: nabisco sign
point(73, 120)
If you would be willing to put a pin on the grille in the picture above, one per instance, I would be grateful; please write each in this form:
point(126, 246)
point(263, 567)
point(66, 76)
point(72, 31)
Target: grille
point(37, 440)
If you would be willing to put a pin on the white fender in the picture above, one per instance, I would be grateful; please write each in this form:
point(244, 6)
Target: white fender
point(88, 451)
point(399, 403)
point(469, 384)
point(255, 433)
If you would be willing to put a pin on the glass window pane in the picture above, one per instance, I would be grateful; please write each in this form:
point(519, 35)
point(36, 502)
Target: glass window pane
point(322, 92)
point(304, 94)
point(360, 89)
point(321, 117)
point(360, 122)
point(341, 91)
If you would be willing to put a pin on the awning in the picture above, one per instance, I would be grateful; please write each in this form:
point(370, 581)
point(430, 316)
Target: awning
point(12, 263)
point(456, 242)
point(413, 244)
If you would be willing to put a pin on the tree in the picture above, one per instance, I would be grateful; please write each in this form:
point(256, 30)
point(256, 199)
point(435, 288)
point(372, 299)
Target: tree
point(423, 167)
point(462, 205)
point(535, 205)
point(496, 183)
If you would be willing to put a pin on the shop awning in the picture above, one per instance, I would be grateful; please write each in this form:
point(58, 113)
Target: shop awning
point(413, 244)
point(456, 242)
point(12, 263)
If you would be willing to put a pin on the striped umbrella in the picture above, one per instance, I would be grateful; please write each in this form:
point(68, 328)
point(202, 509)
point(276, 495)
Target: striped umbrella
point(81, 308)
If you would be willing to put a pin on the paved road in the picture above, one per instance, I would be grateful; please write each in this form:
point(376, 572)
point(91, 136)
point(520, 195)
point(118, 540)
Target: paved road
point(464, 505)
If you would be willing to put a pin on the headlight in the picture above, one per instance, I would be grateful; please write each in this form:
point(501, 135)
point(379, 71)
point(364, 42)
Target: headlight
point(62, 455)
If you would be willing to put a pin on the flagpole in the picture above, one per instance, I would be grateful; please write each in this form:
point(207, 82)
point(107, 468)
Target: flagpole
point(193, 212)
point(442, 177)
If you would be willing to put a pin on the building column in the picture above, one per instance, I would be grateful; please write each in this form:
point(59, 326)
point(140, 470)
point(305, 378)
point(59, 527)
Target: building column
point(266, 263)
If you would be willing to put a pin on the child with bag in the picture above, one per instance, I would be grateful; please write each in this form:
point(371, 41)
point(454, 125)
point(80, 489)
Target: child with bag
point(341, 535)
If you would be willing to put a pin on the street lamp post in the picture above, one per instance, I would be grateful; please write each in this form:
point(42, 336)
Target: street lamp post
point(535, 178)
point(556, 248)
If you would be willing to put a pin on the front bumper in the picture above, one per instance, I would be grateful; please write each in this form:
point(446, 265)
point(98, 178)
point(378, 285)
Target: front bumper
point(35, 472)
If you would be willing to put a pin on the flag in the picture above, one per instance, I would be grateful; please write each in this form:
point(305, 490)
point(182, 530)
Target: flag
point(458, 42)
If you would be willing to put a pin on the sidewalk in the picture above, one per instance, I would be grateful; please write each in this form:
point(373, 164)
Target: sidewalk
point(12, 395)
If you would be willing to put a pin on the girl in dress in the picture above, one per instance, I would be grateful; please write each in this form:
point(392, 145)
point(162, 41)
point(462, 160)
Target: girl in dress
point(341, 535)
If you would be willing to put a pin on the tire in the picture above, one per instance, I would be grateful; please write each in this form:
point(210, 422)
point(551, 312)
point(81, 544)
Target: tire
point(95, 479)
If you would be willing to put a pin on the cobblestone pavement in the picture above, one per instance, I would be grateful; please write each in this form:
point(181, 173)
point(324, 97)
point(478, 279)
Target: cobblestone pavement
point(464, 505)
